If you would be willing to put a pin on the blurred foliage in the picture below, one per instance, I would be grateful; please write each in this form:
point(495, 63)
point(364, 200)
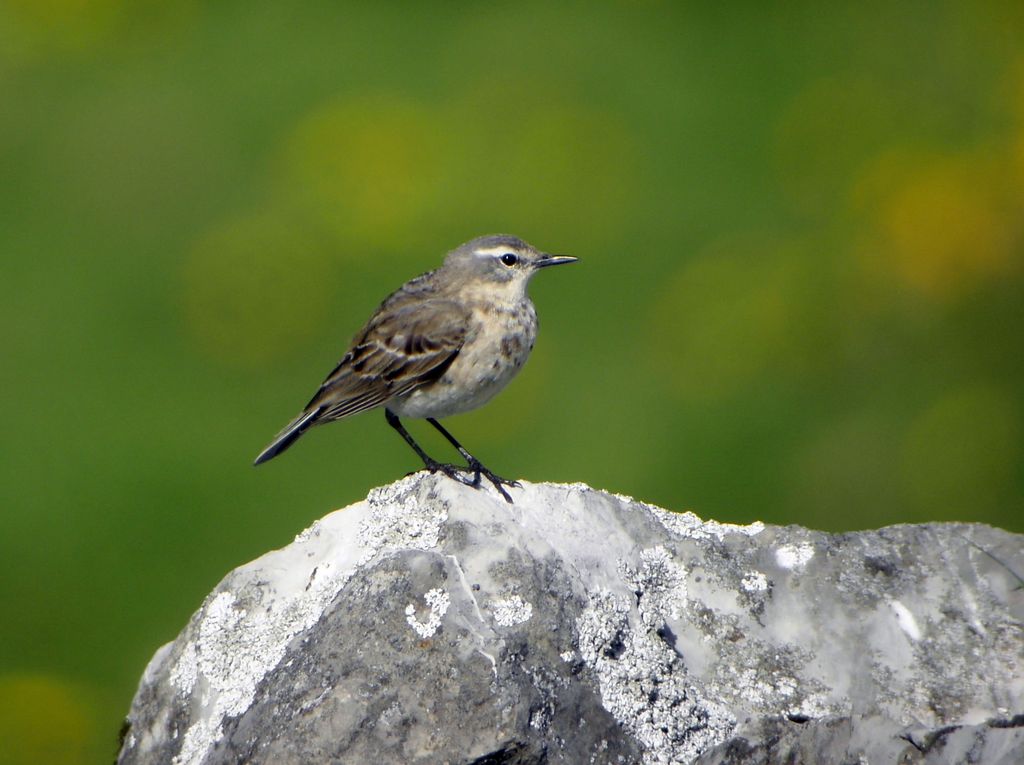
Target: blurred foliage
point(800, 296)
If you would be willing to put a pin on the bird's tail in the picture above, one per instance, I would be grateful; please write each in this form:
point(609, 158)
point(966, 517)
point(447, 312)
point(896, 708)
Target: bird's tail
point(289, 435)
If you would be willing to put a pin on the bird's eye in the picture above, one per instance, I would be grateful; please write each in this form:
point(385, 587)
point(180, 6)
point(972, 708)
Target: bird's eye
point(509, 259)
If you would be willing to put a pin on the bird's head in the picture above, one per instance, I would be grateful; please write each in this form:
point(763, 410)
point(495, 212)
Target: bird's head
point(502, 261)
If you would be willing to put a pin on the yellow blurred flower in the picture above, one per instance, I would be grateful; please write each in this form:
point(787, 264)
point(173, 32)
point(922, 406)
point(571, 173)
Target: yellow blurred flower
point(43, 719)
point(368, 167)
point(942, 225)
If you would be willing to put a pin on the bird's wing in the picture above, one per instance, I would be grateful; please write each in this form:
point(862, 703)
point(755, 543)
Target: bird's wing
point(401, 348)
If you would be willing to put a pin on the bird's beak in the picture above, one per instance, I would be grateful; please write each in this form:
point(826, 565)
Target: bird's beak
point(553, 260)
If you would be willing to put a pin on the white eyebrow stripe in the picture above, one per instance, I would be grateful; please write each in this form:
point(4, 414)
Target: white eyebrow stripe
point(488, 251)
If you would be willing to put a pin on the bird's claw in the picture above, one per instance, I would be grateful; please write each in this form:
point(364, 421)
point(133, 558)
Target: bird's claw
point(455, 472)
point(459, 473)
point(497, 481)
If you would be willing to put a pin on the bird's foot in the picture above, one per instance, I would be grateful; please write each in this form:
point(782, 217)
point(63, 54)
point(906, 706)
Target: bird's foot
point(499, 483)
point(455, 472)
point(477, 470)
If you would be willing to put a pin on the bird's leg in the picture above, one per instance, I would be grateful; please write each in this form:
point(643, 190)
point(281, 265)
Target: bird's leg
point(452, 471)
point(475, 465)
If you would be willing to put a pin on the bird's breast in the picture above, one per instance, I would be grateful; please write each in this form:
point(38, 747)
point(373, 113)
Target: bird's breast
point(496, 348)
point(501, 342)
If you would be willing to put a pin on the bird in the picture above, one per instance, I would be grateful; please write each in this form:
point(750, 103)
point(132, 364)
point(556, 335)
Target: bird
point(444, 343)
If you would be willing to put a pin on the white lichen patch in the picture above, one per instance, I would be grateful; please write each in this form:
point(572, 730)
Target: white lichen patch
point(905, 620)
point(754, 581)
point(235, 649)
point(660, 584)
point(438, 601)
point(185, 672)
point(567, 656)
point(397, 521)
point(777, 689)
point(511, 610)
point(794, 557)
point(644, 685)
point(688, 525)
point(764, 677)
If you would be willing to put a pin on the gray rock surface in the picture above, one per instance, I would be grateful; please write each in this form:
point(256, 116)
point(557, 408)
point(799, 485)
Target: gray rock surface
point(434, 623)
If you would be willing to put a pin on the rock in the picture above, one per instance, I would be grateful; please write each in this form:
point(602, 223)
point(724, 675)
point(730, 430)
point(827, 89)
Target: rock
point(435, 623)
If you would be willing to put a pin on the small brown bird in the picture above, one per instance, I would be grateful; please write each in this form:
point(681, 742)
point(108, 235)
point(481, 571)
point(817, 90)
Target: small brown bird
point(444, 343)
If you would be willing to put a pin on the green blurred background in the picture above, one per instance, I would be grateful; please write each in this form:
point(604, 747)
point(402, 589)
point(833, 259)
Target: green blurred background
point(800, 296)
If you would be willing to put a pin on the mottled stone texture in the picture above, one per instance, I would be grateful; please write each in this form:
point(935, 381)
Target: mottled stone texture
point(434, 623)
